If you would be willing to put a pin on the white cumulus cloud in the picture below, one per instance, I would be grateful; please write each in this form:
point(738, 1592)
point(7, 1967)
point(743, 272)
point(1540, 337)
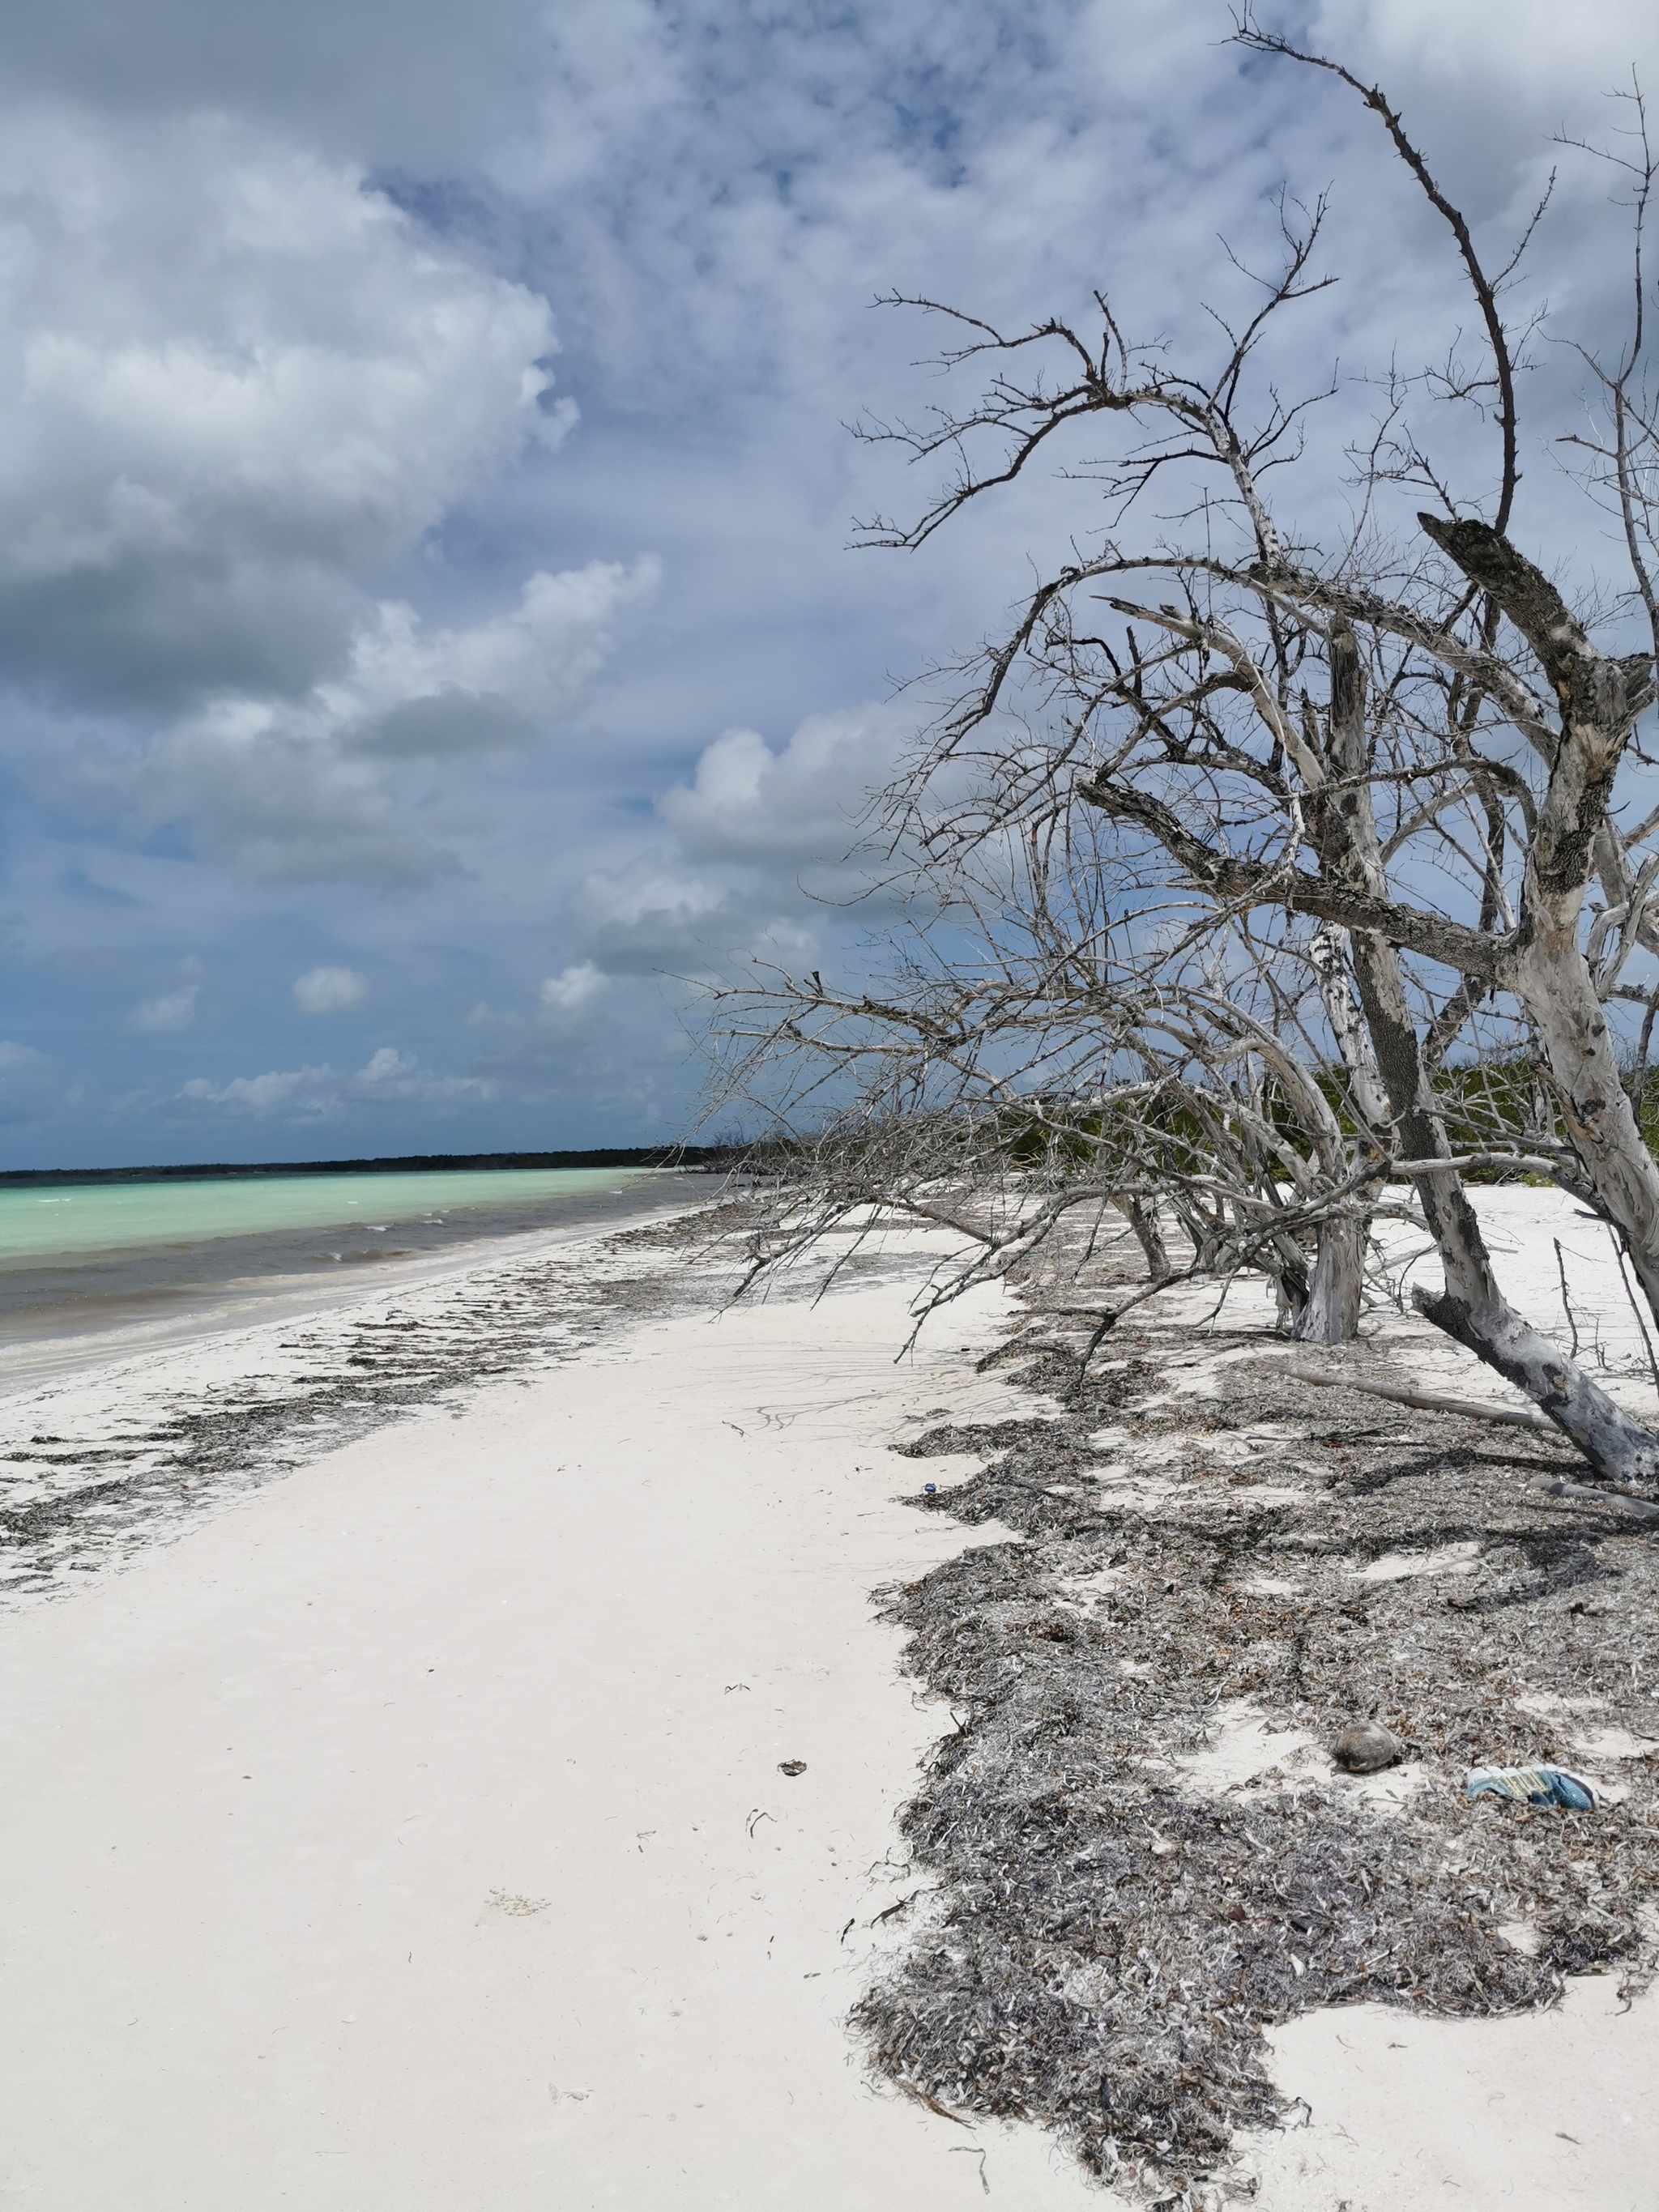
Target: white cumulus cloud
point(651, 916)
point(330, 990)
point(308, 788)
point(388, 1065)
point(801, 804)
point(571, 992)
point(175, 1011)
point(1547, 50)
point(232, 377)
point(240, 390)
point(391, 1074)
point(313, 1094)
point(757, 825)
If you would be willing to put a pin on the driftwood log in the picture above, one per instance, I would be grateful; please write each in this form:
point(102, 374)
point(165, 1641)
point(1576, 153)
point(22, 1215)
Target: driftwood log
point(1429, 1401)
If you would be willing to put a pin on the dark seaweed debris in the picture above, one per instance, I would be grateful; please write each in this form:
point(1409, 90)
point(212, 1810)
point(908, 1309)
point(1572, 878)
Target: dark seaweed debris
point(1109, 1935)
point(72, 1503)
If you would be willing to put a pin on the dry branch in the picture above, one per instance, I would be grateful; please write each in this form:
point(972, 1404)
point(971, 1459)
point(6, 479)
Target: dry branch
point(1428, 1401)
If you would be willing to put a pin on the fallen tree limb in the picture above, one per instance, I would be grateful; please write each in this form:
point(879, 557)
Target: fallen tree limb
point(1591, 1495)
point(1525, 1162)
point(1429, 1401)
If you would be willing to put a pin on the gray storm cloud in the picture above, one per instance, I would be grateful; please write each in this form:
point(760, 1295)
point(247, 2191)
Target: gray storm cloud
point(234, 380)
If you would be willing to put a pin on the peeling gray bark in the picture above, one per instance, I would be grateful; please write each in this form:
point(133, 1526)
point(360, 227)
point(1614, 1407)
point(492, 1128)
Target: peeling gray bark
point(1331, 1315)
point(1332, 1312)
point(1578, 1047)
point(1324, 1307)
point(1470, 1307)
point(1353, 1042)
point(1600, 698)
point(1143, 1220)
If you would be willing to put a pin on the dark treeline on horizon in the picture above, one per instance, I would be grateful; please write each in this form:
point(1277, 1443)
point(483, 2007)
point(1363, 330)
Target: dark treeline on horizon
point(654, 1156)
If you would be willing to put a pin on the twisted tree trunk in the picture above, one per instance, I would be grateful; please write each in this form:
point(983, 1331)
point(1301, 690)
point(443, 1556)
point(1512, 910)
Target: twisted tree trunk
point(1470, 1307)
point(1600, 699)
point(1332, 1312)
point(1142, 1218)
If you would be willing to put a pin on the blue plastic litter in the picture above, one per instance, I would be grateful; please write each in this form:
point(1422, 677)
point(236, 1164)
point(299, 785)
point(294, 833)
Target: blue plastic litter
point(1532, 1785)
point(930, 1487)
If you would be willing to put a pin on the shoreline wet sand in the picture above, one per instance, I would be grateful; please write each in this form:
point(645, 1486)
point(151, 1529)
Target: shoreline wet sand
point(104, 1303)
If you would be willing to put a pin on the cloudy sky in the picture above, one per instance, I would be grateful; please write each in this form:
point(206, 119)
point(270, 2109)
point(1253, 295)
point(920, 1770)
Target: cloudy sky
point(426, 622)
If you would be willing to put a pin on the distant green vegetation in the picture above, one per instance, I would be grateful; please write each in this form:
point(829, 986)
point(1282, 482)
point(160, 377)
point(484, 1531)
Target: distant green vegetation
point(1489, 1105)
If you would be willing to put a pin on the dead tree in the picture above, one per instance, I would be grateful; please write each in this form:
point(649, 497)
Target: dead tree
point(1037, 1061)
point(1406, 751)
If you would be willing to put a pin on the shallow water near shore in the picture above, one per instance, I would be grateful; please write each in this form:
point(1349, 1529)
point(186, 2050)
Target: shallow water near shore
point(169, 1258)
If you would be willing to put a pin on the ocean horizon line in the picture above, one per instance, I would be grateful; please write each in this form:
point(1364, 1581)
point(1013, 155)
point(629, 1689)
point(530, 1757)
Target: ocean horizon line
point(636, 1156)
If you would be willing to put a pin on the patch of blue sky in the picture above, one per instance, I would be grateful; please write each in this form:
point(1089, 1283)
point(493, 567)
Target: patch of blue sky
point(582, 298)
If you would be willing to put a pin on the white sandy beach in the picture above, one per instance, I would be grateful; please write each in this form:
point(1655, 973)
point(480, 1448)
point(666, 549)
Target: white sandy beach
point(411, 1832)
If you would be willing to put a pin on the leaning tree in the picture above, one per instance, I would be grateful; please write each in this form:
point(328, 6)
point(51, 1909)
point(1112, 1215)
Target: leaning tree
point(1411, 750)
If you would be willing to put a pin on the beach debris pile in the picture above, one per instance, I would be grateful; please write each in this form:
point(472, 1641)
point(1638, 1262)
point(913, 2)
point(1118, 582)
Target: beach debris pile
point(1122, 1902)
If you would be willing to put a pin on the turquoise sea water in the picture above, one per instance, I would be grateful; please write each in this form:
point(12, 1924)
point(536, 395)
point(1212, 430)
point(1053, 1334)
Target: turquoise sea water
point(80, 1257)
point(67, 1221)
